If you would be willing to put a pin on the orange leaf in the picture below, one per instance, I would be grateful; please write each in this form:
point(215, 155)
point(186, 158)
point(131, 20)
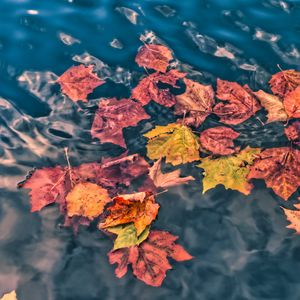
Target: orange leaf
point(294, 217)
point(293, 133)
point(292, 103)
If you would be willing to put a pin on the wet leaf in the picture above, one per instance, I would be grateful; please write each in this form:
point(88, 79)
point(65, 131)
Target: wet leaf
point(280, 168)
point(230, 171)
point(219, 140)
point(284, 82)
point(112, 116)
point(149, 260)
point(237, 104)
point(10, 296)
point(139, 208)
point(175, 142)
point(293, 133)
point(196, 102)
point(292, 103)
point(79, 81)
point(155, 57)
point(294, 217)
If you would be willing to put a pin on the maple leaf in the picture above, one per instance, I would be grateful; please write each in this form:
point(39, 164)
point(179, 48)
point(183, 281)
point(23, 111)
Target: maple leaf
point(79, 81)
point(155, 57)
point(219, 140)
point(127, 236)
point(165, 180)
point(280, 168)
point(238, 103)
point(293, 133)
point(139, 208)
point(273, 105)
point(196, 102)
point(294, 217)
point(9, 296)
point(87, 200)
point(292, 103)
point(149, 260)
point(175, 142)
point(230, 171)
point(284, 82)
point(148, 89)
point(112, 116)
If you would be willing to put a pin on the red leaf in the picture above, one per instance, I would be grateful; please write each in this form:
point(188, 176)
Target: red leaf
point(148, 89)
point(238, 106)
point(293, 133)
point(291, 103)
point(219, 140)
point(112, 116)
point(155, 57)
point(79, 81)
point(150, 259)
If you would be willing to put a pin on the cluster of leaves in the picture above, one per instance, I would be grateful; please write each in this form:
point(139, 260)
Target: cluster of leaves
point(103, 190)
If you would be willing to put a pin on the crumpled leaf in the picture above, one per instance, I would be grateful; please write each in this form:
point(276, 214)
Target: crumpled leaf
point(230, 171)
point(175, 142)
point(219, 140)
point(238, 103)
point(196, 102)
point(9, 296)
point(284, 82)
point(112, 116)
point(292, 103)
point(293, 133)
point(273, 105)
point(280, 168)
point(127, 236)
point(79, 81)
point(139, 208)
point(86, 199)
point(155, 57)
point(294, 217)
point(149, 260)
point(165, 180)
point(148, 89)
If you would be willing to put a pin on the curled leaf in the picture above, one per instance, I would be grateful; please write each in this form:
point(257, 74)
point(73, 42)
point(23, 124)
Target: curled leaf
point(292, 103)
point(293, 133)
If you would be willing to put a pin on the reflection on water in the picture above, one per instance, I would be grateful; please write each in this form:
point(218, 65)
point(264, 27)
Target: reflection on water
point(241, 246)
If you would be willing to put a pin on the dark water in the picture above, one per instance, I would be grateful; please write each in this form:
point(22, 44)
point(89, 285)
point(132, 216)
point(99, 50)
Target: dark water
point(241, 246)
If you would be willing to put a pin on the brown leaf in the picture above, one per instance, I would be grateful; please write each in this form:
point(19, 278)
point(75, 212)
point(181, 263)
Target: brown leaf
point(293, 133)
point(292, 103)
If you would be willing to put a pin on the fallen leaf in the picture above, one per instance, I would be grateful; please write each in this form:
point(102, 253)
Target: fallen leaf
point(139, 208)
point(294, 217)
point(149, 260)
point(293, 133)
point(112, 116)
point(196, 103)
point(284, 82)
point(219, 140)
point(79, 81)
point(175, 142)
point(237, 104)
point(292, 103)
point(280, 168)
point(10, 296)
point(155, 57)
point(273, 105)
point(230, 171)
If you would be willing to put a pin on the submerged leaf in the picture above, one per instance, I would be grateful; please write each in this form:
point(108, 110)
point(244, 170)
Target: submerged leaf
point(293, 133)
point(294, 217)
point(292, 103)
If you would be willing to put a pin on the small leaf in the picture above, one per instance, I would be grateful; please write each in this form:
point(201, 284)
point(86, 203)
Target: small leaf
point(293, 133)
point(10, 296)
point(292, 103)
point(294, 217)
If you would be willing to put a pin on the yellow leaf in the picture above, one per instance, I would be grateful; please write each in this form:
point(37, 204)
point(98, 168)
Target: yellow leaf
point(10, 296)
point(87, 200)
point(175, 142)
point(294, 217)
point(231, 171)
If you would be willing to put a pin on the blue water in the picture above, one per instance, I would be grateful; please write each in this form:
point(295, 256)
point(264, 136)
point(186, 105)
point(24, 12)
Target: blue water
point(241, 247)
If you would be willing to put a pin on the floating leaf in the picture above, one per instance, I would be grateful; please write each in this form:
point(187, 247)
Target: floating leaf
point(10, 296)
point(175, 142)
point(280, 168)
point(238, 103)
point(230, 171)
point(149, 260)
point(79, 81)
point(292, 103)
point(294, 217)
point(139, 208)
point(112, 116)
point(219, 140)
point(196, 102)
point(293, 133)
point(155, 57)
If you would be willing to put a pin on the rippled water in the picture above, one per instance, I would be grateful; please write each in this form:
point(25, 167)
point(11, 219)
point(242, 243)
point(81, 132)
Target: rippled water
point(241, 246)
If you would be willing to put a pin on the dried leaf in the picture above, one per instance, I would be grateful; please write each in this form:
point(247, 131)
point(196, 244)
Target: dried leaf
point(280, 168)
point(175, 142)
point(155, 57)
point(196, 102)
point(238, 104)
point(139, 208)
point(112, 116)
point(219, 140)
point(294, 217)
point(292, 103)
point(150, 259)
point(293, 133)
point(230, 171)
point(10, 296)
point(79, 81)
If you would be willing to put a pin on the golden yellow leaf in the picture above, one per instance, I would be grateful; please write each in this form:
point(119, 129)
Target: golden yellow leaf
point(10, 296)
